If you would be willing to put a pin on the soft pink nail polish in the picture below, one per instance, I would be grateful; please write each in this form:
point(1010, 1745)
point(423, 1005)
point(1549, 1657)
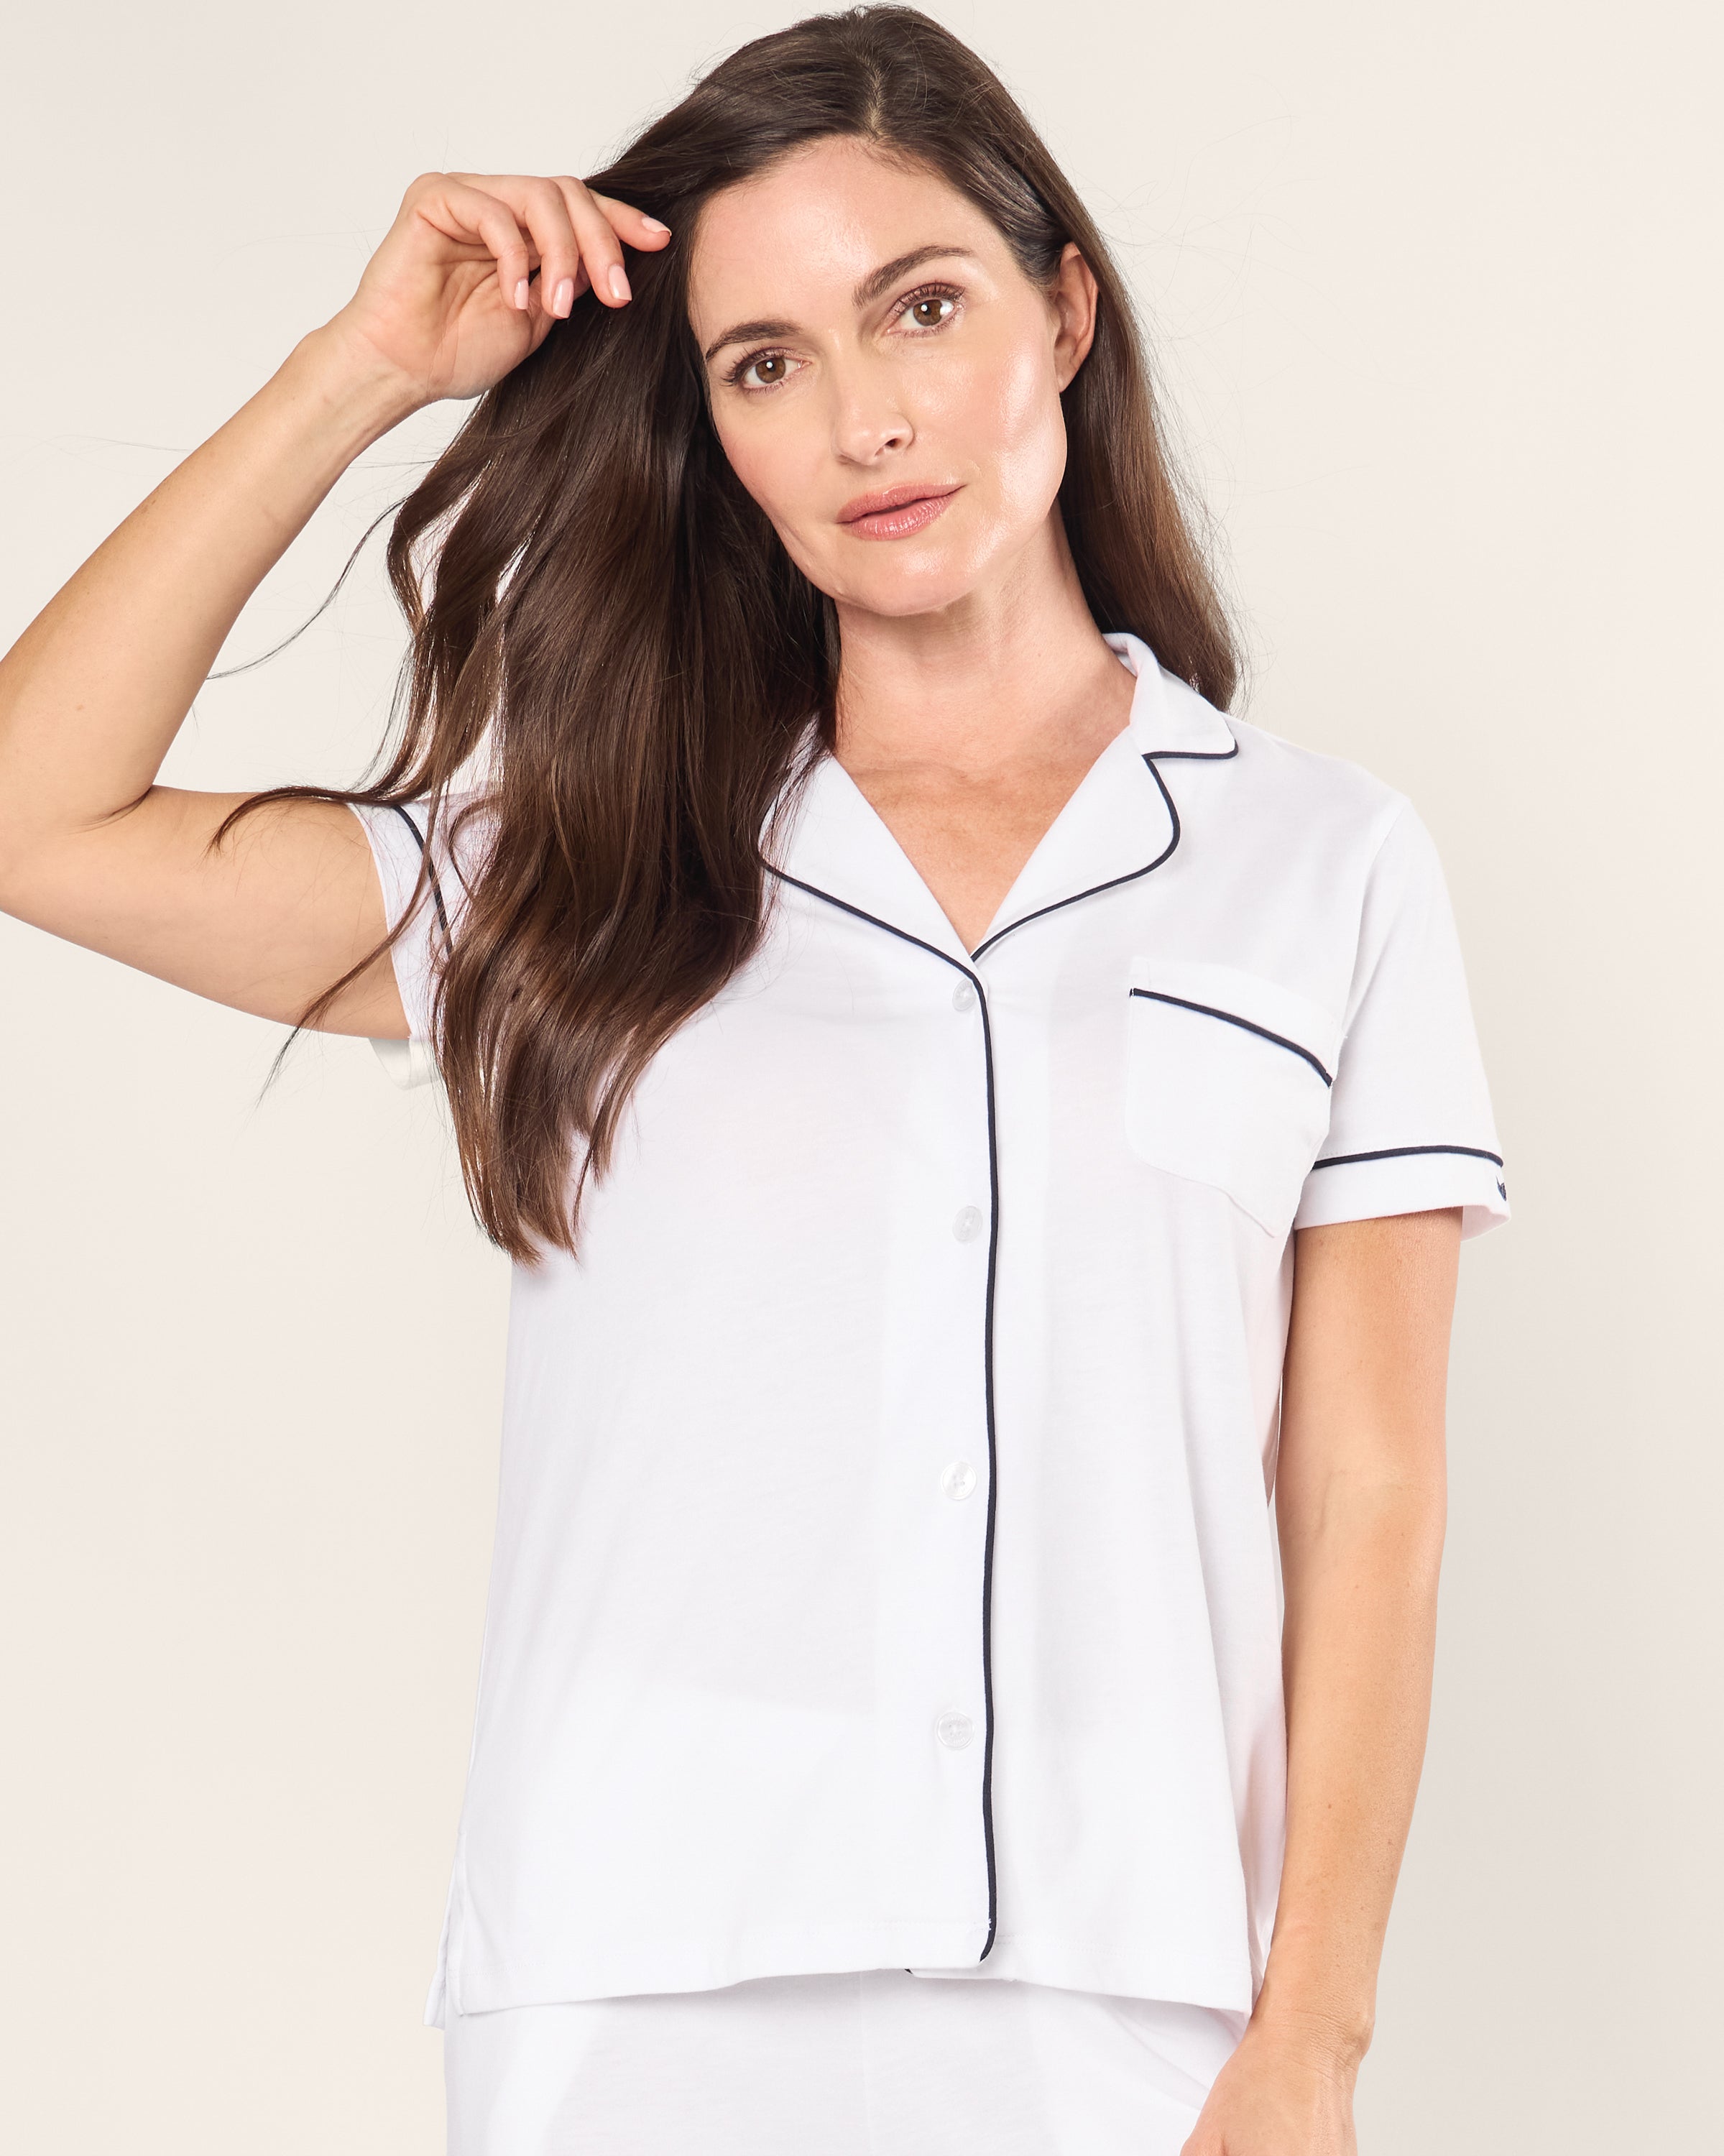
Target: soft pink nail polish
point(521, 295)
point(565, 298)
point(618, 283)
point(653, 225)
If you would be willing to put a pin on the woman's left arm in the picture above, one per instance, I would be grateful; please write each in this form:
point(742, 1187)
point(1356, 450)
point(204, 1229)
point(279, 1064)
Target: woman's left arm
point(1360, 1501)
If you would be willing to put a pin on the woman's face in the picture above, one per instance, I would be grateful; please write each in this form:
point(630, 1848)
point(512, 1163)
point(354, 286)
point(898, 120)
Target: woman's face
point(885, 379)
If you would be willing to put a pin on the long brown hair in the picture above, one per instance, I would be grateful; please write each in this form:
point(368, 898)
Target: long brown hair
point(616, 620)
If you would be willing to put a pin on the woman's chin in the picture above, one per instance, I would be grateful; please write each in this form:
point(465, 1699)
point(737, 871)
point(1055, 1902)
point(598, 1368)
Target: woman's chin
point(899, 589)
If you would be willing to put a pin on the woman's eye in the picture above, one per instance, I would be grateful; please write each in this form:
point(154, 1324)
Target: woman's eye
point(930, 310)
point(762, 373)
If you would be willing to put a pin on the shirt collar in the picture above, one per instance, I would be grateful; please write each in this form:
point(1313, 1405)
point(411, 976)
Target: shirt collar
point(1168, 717)
point(1119, 823)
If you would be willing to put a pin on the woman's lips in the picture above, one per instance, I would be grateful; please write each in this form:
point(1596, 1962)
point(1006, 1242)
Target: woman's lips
point(895, 513)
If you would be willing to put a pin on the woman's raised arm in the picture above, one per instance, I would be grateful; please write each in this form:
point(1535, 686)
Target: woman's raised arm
point(468, 281)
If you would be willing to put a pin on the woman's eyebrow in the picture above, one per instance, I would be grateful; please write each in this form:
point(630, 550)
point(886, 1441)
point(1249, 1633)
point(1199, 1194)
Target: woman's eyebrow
point(870, 288)
point(746, 332)
point(876, 282)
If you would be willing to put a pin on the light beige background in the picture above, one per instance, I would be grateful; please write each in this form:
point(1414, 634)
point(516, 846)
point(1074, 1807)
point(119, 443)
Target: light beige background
point(1435, 298)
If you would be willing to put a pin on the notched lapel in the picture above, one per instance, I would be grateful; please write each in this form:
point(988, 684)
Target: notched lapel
point(837, 846)
point(1117, 824)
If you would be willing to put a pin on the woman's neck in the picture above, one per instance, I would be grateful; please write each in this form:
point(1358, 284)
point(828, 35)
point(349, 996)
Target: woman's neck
point(1013, 676)
point(968, 730)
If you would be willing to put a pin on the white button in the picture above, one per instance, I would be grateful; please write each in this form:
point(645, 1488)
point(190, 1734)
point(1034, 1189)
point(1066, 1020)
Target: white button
point(968, 1226)
point(964, 997)
point(954, 1730)
point(958, 1480)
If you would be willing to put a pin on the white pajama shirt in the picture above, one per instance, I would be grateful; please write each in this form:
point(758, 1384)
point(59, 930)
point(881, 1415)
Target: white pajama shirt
point(886, 1578)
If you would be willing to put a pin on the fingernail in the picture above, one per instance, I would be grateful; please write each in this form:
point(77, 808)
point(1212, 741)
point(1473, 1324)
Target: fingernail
point(521, 295)
point(653, 225)
point(618, 283)
point(565, 298)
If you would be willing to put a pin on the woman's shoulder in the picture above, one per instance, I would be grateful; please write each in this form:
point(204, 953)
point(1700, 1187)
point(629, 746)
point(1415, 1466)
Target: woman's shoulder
point(1302, 813)
point(1287, 781)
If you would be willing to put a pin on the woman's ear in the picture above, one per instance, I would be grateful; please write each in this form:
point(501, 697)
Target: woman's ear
point(1075, 297)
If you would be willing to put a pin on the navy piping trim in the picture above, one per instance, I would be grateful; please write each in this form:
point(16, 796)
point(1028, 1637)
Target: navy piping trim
point(436, 887)
point(1232, 1018)
point(1196, 754)
point(993, 1231)
point(1403, 1153)
point(1113, 882)
point(993, 1238)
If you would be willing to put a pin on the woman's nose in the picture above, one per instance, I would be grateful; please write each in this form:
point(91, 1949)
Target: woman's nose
point(868, 419)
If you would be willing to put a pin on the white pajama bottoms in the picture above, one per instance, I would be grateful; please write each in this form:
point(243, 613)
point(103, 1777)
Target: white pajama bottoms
point(873, 2063)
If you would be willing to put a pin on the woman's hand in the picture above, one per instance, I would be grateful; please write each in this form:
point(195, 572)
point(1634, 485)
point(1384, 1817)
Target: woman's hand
point(1278, 2095)
point(474, 270)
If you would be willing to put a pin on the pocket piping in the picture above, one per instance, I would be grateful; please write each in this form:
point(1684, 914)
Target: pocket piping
point(1232, 1018)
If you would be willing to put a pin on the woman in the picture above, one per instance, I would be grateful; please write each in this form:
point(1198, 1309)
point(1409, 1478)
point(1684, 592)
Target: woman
point(972, 1121)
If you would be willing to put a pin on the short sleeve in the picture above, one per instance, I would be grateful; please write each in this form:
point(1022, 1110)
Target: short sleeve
point(423, 892)
point(1410, 1127)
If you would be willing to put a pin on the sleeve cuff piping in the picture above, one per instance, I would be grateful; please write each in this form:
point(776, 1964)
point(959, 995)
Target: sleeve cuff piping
point(1390, 1179)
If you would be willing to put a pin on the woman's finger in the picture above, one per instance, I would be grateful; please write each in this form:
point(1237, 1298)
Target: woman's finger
point(601, 250)
point(538, 206)
point(466, 213)
point(631, 224)
point(542, 206)
point(602, 225)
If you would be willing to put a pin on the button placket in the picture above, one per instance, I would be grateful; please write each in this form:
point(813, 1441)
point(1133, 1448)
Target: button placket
point(958, 1537)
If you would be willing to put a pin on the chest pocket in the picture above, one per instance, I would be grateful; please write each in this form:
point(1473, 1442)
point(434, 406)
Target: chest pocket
point(1227, 1081)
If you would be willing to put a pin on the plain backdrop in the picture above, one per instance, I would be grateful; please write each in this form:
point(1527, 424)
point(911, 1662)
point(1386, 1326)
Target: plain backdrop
point(1434, 296)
